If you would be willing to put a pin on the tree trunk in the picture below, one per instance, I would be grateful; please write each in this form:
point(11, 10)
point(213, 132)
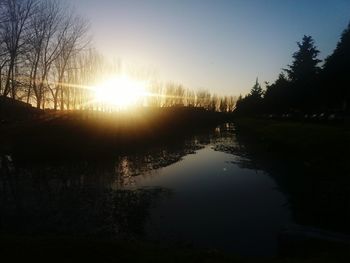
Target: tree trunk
point(62, 102)
point(38, 101)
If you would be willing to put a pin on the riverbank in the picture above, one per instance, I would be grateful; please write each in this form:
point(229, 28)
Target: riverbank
point(32, 133)
point(315, 144)
point(309, 162)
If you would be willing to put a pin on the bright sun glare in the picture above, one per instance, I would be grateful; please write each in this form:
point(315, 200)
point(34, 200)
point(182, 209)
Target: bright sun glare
point(121, 92)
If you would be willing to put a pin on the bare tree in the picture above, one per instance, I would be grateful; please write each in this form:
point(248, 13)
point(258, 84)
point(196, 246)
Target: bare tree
point(16, 16)
point(43, 28)
point(203, 99)
point(73, 40)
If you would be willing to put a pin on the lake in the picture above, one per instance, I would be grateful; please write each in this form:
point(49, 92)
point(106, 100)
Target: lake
point(200, 191)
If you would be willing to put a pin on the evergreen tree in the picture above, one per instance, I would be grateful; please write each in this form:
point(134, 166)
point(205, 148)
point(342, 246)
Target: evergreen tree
point(277, 95)
point(256, 92)
point(305, 61)
point(336, 74)
point(303, 74)
point(252, 103)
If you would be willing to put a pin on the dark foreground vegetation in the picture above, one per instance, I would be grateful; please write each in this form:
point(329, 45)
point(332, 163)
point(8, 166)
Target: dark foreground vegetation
point(321, 145)
point(27, 132)
point(78, 250)
point(62, 249)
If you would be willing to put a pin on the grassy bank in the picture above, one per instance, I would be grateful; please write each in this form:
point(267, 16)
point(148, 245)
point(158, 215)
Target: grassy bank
point(310, 162)
point(33, 133)
point(318, 145)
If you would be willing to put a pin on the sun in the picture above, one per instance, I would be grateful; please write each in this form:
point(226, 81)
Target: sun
point(121, 92)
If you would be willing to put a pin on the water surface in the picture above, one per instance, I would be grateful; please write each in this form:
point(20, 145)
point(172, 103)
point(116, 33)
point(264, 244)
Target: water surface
point(197, 191)
point(216, 203)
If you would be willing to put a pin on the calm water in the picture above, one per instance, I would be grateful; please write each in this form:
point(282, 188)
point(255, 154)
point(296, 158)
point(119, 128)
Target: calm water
point(198, 191)
point(215, 203)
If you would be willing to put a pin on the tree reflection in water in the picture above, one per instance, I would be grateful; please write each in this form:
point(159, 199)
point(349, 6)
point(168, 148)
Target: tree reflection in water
point(72, 199)
point(88, 198)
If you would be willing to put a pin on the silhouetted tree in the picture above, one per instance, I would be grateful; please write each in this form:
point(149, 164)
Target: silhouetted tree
point(305, 61)
point(155, 98)
point(277, 95)
point(303, 75)
point(336, 74)
point(203, 99)
point(252, 103)
point(223, 104)
point(232, 100)
point(15, 14)
point(306, 87)
point(256, 92)
point(214, 103)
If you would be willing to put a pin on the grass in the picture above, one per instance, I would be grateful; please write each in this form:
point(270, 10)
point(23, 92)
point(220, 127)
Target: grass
point(92, 250)
point(321, 146)
point(61, 249)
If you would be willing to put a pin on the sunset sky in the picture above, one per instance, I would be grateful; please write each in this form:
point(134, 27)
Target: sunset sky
point(221, 46)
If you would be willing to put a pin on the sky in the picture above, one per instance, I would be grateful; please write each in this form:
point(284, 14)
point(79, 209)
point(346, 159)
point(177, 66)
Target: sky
point(217, 45)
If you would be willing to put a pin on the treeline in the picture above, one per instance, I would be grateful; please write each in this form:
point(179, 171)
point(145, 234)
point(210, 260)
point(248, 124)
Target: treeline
point(46, 60)
point(43, 47)
point(305, 87)
point(171, 94)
